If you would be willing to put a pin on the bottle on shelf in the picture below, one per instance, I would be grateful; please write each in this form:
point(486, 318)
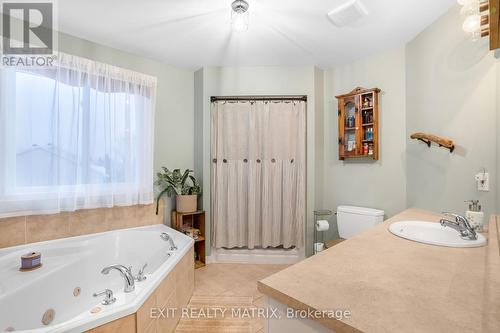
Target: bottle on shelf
point(351, 145)
point(367, 102)
point(367, 117)
point(369, 134)
point(474, 215)
point(351, 122)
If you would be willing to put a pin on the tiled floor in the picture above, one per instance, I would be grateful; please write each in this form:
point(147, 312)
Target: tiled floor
point(230, 287)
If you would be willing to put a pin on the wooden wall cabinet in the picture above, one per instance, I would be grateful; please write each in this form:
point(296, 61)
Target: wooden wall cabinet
point(358, 124)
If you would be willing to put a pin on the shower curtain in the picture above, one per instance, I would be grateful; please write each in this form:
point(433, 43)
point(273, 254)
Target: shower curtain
point(258, 173)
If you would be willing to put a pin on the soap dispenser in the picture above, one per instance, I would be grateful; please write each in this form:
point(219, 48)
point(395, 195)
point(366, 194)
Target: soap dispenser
point(474, 215)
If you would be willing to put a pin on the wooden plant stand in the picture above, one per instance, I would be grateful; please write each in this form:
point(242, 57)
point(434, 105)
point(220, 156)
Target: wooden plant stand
point(195, 220)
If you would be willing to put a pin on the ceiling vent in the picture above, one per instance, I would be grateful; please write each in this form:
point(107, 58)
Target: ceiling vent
point(348, 13)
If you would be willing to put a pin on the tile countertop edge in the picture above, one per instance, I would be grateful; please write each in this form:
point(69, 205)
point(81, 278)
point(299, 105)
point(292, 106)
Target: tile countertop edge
point(331, 323)
point(491, 315)
point(489, 322)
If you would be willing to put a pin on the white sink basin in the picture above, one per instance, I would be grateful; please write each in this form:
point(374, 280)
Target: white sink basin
point(433, 233)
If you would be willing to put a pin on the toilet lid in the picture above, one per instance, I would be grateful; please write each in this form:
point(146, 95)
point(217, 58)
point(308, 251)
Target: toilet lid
point(360, 210)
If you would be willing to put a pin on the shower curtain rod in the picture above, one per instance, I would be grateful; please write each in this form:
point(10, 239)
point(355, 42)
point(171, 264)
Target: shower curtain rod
point(258, 98)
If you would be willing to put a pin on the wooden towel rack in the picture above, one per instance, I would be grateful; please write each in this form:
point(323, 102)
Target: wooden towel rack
point(428, 138)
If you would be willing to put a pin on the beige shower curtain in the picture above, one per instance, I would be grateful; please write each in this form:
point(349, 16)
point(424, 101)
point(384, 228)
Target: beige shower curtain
point(258, 173)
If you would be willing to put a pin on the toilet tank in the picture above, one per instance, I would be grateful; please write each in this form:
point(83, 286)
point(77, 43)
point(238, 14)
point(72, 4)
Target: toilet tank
point(354, 220)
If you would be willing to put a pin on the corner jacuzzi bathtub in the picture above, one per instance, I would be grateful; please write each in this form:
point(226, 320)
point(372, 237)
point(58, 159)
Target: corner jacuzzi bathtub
point(74, 264)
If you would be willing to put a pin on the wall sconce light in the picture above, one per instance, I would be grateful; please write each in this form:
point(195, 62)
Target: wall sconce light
point(476, 21)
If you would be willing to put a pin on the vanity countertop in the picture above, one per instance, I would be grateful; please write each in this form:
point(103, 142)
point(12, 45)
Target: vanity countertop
point(390, 284)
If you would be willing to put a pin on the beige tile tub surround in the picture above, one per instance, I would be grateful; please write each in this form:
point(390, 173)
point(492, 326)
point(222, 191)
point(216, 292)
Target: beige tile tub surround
point(36, 228)
point(392, 284)
point(12, 231)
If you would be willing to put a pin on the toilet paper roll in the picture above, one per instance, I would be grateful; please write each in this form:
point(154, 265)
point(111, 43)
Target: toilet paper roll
point(322, 225)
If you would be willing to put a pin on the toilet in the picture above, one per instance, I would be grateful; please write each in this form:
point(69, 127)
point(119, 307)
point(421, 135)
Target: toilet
point(353, 220)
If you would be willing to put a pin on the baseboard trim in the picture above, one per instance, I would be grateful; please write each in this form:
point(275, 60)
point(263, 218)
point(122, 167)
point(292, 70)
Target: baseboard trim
point(254, 257)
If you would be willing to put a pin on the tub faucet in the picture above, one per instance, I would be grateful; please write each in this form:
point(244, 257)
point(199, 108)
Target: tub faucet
point(126, 273)
point(109, 299)
point(141, 276)
point(166, 237)
point(461, 225)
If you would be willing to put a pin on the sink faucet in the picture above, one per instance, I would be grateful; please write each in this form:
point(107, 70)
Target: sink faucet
point(166, 237)
point(126, 273)
point(461, 225)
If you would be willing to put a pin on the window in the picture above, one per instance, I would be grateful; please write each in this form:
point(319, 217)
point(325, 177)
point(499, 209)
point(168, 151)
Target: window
point(79, 135)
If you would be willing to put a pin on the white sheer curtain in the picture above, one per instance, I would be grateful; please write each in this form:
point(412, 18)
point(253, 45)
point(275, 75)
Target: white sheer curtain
point(77, 135)
point(258, 173)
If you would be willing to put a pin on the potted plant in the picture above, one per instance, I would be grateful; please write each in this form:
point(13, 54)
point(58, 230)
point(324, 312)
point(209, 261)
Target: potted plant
point(181, 184)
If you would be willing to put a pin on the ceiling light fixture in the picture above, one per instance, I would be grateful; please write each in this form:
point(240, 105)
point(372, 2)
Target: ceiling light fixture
point(472, 24)
point(239, 15)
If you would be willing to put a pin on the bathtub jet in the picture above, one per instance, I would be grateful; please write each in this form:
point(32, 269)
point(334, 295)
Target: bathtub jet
point(126, 273)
